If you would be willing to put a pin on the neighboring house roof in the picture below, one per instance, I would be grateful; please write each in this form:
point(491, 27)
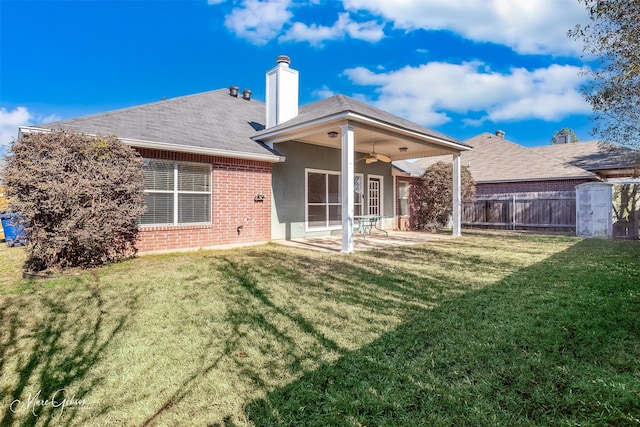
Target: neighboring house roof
point(495, 159)
point(410, 168)
point(211, 122)
point(592, 155)
point(340, 104)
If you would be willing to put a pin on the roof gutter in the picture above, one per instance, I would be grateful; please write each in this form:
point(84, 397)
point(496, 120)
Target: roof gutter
point(164, 146)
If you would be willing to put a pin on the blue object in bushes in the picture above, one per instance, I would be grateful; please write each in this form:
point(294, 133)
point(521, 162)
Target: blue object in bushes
point(13, 231)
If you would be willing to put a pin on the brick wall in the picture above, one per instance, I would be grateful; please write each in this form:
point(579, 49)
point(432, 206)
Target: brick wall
point(529, 186)
point(235, 184)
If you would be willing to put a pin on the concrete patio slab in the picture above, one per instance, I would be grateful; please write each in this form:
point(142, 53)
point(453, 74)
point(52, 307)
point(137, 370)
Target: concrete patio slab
point(375, 241)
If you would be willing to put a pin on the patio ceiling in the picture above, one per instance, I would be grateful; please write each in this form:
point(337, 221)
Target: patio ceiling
point(370, 135)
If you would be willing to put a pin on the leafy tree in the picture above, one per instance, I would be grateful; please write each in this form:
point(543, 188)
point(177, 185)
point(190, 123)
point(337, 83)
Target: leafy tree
point(432, 200)
point(80, 196)
point(612, 37)
point(564, 131)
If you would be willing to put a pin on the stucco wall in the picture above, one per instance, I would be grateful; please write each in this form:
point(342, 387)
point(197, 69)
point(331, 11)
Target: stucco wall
point(289, 185)
point(235, 183)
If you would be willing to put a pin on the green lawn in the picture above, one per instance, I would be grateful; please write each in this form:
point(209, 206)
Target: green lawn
point(489, 329)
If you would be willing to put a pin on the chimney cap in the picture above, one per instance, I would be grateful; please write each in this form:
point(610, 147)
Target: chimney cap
point(500, 133)
point(283, 59)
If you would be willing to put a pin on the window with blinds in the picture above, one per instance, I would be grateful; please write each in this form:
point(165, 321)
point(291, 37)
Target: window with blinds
point(176, 192)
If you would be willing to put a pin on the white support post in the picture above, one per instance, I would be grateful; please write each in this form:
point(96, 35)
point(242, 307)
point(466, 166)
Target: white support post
point(348, 172)
point(457, 196)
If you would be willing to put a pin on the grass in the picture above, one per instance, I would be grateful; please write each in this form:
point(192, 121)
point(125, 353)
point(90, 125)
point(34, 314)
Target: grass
point(488, 329)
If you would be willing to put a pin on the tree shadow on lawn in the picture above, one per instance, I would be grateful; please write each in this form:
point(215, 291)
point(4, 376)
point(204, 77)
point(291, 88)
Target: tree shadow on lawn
point(554, 343)
point(66, 339)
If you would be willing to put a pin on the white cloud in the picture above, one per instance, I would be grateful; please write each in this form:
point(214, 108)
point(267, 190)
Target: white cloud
point(20, 116)
point(316, 34)
point(259, 21)
point(528, 27)
point(369, 31)
point(9, 122)
point(323, 93)
point(428, 93)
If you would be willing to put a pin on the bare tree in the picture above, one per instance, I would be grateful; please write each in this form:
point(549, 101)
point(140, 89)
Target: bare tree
point(432, 200)
point(612, 48)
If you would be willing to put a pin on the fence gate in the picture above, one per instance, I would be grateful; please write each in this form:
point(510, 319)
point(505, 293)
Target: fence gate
point(594, 210)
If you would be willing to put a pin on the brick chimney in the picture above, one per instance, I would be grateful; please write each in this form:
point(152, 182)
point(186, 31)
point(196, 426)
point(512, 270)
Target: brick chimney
point(282, 93)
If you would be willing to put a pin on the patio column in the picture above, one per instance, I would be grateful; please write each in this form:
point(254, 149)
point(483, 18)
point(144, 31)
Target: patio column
point(457, 205)
point(348, 170)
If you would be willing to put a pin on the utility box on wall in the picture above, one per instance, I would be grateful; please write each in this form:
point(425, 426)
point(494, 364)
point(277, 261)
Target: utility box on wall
point(594, 210)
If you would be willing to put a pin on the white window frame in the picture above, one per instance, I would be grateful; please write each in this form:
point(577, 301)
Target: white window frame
point(327, 227)
point(176, 193)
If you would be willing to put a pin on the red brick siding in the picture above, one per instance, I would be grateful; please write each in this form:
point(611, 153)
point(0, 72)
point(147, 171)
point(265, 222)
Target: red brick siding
point(236, 182)
point(529, 186)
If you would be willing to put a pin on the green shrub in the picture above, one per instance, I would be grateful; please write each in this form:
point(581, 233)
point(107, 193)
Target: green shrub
point(80, 196)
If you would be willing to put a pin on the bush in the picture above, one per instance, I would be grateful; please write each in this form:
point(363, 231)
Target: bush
point(80, 196)
point(432, 200)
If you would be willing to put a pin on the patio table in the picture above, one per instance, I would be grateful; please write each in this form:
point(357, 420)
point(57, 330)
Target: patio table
point(368, 222)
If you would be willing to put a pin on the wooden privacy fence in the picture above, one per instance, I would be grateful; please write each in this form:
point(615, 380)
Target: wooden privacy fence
point(543, 211)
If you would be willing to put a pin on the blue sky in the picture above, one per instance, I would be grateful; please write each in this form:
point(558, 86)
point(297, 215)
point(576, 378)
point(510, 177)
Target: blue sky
point(461, 67)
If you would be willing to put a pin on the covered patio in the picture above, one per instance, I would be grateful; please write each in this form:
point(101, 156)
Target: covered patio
point(362, 133)
point(332, 244)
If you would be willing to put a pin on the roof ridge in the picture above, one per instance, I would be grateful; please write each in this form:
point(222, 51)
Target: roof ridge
point(344, 102)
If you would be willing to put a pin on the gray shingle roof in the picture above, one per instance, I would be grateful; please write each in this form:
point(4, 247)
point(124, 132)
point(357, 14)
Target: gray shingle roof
point(495, 159)
point(410, 167)
point(591, 155)
point(341, 104)
point(209, 120)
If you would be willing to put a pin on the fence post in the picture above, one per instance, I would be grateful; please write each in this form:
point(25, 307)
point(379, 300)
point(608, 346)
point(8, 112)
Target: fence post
point(514, 211)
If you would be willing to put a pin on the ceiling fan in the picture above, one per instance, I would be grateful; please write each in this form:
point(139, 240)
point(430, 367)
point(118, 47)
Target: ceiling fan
point(374, 157)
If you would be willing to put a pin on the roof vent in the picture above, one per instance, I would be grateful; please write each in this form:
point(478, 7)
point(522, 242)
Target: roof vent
point(246, 94)
point(233, 91)
point(500, 133)
point(283, 59)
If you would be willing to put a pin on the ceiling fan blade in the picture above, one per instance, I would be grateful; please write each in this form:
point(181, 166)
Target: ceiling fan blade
point(383, 158)
point(370, 160)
